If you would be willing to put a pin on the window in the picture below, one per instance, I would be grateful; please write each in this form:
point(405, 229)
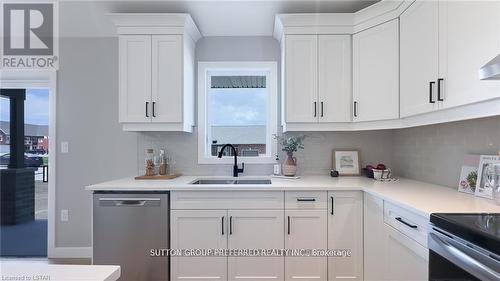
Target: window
point(237, 104)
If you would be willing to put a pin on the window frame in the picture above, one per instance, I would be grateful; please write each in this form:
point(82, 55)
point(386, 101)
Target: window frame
point(271, 67)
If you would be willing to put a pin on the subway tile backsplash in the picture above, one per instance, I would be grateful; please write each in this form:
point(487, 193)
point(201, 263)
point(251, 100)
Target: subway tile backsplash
point(435, 153)
point(431, 153)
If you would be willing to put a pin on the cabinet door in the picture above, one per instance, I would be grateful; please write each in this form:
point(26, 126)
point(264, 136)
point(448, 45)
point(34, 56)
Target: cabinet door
point(469, 37)
point(334, 83)
point(374, 236)
point(305, 229)
point(301, 75)
point(255, 229)
point(376, 73)
point(405, 258)
point(167, 80)
point(419, 58)
point(198, 229)
point(135, 78)
point(345, 232)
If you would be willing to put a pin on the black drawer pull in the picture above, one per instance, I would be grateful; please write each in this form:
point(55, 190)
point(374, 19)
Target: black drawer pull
point(431, 85)
point(147, 106)
point(332, 212)
point(230, 225)
point(399, 219)
point(288, 218)
point(222, 225)
point(439, 89)
point(306, 199)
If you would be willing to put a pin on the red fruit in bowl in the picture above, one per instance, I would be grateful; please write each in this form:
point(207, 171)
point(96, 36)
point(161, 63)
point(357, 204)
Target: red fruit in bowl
point(381, 167)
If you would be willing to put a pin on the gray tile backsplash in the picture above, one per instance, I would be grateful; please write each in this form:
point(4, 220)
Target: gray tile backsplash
point(435, 153)
point(428, 153)
point(315, 159)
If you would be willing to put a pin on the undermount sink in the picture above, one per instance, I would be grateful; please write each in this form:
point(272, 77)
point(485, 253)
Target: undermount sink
point(232, 181)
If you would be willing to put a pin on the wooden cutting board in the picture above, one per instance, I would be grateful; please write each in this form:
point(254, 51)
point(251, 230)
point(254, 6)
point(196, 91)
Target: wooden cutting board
point(158, 177)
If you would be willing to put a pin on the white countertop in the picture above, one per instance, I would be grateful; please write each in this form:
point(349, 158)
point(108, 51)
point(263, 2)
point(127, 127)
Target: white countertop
point(58, 272)
point(420, 197)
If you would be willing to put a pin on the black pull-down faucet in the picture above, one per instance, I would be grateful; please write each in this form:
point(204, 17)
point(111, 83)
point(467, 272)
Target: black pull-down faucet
point(236, 170)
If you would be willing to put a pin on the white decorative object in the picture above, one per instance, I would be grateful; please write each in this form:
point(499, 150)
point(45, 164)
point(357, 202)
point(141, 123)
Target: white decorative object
point(483, 189)
point(346, 162)
point(468, 175)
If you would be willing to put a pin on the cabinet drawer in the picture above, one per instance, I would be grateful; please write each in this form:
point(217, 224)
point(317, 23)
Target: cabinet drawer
point(407, 222)
point(305, 200)
point(226, 200)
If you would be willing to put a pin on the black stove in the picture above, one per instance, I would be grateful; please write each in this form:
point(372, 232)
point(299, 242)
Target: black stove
point(464, 247)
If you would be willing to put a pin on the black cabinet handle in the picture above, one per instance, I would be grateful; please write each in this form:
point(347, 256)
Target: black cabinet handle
point(399, 219)
point(431, 85)
point(147, 106)
point(231, 225)
point(154, 114)
point(314, 104)
point(288, 218)
point(322, 109)
point(439, 89)
point(306, 199)
point(355, 109)
point(222, 225)
point(332, 199)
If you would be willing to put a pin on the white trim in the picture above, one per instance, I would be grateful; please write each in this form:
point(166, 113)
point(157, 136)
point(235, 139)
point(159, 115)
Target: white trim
point(41, 79)
point(269, 66)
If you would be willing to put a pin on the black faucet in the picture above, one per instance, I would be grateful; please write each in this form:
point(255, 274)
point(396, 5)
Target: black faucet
point(236, 170)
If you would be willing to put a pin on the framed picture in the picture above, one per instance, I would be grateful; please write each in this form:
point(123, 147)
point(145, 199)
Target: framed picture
point(346, 162)
point(483, 189)
point(468, 175)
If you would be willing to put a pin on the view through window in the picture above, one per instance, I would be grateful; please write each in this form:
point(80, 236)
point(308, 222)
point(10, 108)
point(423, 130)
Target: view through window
point(237, 113)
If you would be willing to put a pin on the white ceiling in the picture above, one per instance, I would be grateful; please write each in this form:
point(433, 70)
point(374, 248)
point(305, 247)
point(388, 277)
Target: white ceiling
point(213, 18)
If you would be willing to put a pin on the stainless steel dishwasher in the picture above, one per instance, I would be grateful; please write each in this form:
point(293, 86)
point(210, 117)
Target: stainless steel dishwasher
point(126, 226)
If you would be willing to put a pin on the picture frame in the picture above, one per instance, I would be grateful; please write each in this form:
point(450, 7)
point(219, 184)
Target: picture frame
point(482, 187)
point(346, 162)
point(468, 174)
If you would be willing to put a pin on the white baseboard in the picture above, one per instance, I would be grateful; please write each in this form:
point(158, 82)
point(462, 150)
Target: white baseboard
point(71, 252)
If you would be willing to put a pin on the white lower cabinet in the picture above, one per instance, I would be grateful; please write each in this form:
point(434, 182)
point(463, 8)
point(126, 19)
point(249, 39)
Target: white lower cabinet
point(389, 253)
point(345, 232)
point(405, 258)
point(198, 229)
point(255, 229)
point(305, 229)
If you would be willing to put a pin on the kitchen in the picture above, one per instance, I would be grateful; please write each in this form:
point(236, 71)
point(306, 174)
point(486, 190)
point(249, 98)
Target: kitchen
point(337, 89)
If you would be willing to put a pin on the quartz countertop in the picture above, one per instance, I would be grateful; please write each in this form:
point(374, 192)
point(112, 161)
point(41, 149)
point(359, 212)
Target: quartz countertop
point(422, 198)
point(58, 272)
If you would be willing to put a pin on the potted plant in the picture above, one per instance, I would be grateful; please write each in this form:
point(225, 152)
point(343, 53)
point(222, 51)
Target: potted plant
point(290, 145)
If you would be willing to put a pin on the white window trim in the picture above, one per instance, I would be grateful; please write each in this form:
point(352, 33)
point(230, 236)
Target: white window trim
point(272, 126)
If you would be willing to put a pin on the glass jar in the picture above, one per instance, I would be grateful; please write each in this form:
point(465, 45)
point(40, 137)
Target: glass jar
point(492, 177)
point(149, 162)
point(163, 165)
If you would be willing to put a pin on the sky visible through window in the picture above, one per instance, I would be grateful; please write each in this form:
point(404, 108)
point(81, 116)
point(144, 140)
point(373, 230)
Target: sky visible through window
point(36, 107)
point(238, 107)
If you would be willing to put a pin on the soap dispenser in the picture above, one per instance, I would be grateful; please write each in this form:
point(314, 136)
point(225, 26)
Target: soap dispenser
point(277, 166)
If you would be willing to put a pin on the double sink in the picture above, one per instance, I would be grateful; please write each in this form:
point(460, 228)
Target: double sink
point(231, 181)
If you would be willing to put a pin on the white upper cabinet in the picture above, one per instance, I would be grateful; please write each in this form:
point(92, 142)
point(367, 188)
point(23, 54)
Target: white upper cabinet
point(419, 58)
point(156, 71)
point(301, 76)
point(167, 87)
point(334, 73)
point(317, 78)
point(376, 73)
point(469, 37)
point(135, 75)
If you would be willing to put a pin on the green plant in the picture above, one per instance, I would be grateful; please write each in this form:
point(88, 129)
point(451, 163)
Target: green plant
point(472, 179)
point(291, 144)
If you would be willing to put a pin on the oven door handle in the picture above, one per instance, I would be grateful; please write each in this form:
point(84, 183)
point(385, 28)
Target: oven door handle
point(461, 258)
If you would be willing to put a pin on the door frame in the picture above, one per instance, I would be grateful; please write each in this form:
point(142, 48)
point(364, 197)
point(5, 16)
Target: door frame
point(41, 79)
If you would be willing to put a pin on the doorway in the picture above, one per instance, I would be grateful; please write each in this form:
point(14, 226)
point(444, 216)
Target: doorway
point(24, 167)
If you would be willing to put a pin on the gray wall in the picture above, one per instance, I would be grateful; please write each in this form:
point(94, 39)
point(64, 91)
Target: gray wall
point(435, 153)
point(87, 117)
